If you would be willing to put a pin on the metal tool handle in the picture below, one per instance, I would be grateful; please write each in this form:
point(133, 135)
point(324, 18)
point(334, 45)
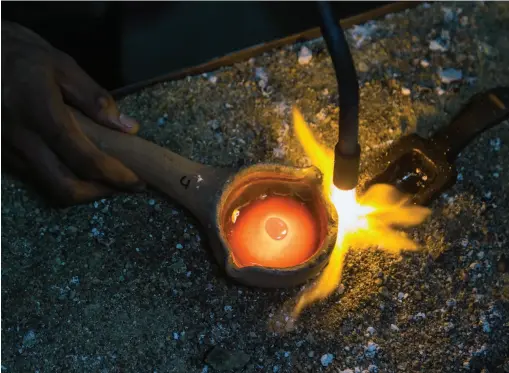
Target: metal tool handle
point(483, 111)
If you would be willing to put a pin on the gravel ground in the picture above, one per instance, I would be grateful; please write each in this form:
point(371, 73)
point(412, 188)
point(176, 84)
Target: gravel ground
point(125, 284)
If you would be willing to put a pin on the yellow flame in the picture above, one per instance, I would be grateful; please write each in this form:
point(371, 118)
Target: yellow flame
point(365, 221)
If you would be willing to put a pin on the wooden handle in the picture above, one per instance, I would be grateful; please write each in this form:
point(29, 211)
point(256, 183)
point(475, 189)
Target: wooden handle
point(189, 183)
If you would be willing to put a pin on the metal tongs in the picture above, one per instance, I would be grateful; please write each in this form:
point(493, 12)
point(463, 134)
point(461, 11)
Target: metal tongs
point(424, 168)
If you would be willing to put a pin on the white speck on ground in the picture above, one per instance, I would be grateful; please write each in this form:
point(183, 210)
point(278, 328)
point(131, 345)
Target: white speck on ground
point(449, 14)
point(326, 359)
point(362, 33)
point(437, 46)
point(29, 339)
point(420, 316)
point(261, 75)
point(495, 143)
point(371, 350)
point(279, 152)
point(451, 303)
point(305, 56)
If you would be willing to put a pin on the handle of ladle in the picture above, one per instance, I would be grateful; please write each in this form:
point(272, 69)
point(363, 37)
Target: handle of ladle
point(189, 183)
point(483, 111)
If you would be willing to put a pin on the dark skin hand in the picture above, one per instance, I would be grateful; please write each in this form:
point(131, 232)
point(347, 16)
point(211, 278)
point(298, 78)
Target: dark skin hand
point(41, 141)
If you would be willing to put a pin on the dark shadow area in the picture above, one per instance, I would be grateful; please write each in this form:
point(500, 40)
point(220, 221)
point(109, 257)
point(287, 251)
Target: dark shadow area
point(121, 43)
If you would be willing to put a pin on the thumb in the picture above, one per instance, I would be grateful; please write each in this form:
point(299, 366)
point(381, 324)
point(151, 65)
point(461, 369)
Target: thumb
point(109, 116)
point(82, 92)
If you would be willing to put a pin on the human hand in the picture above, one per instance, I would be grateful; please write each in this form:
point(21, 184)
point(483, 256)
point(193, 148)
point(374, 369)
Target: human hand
point(41, 141)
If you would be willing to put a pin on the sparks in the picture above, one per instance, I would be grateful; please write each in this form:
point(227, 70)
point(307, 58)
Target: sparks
point(370, 220)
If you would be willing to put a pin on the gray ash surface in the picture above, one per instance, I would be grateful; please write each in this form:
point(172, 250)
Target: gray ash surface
point(128, 285)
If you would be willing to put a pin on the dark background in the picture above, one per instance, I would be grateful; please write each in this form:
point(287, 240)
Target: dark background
point(120, 43)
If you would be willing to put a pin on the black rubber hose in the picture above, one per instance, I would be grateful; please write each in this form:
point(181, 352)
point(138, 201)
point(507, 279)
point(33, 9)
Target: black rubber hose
point(347, 150)
point(346, 76)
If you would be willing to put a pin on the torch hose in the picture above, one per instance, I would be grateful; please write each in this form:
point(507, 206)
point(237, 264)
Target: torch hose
point(347, 150)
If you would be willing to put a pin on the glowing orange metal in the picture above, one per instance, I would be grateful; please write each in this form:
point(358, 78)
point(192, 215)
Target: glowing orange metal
point(276, 232)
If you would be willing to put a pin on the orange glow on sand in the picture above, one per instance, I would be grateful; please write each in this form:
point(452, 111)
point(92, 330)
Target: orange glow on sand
point(366, 221)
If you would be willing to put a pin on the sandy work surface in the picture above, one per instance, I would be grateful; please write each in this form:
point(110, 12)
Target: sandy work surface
point(126, 284)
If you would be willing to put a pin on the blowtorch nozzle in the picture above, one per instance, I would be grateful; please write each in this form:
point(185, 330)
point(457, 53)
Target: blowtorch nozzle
point(346, 168)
